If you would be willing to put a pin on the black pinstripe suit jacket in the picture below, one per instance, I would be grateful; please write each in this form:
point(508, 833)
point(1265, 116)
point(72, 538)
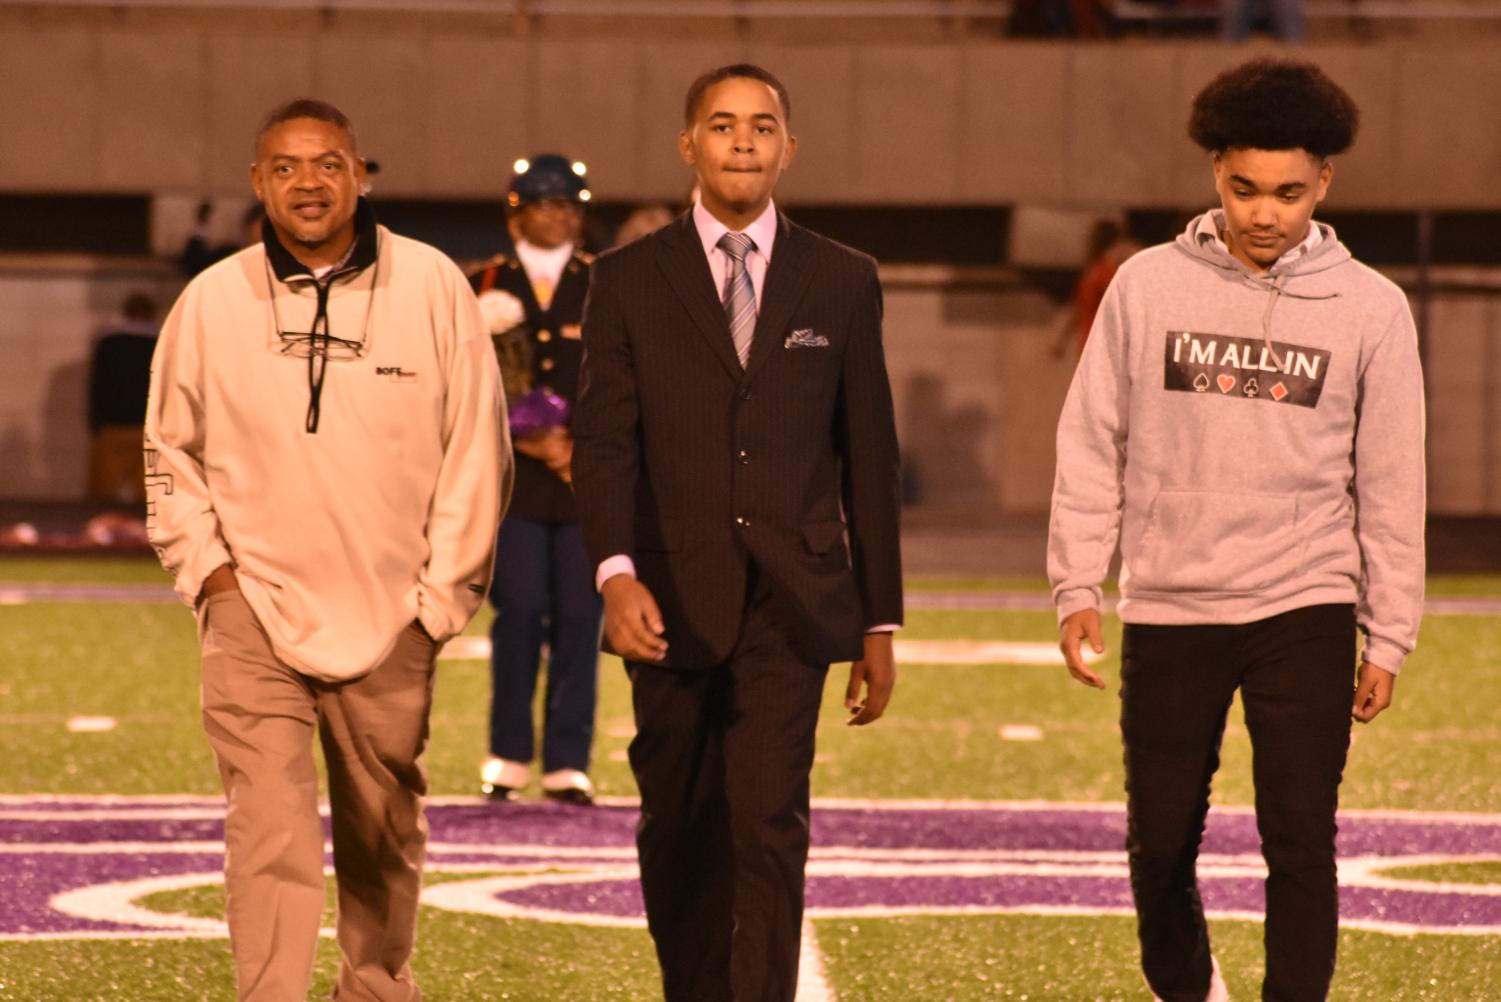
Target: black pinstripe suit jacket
point(691, 466)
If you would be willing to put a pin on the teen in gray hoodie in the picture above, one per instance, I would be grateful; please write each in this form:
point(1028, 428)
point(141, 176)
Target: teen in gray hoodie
point(1247, 422)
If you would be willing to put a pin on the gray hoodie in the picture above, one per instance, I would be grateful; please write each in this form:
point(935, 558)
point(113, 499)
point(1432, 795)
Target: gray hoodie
point(1253, 441)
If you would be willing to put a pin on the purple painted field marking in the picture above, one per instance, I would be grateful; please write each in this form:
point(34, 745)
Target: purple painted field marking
point(77, 866)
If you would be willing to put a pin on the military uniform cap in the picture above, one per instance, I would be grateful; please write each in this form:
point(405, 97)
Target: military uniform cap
point(548, 175)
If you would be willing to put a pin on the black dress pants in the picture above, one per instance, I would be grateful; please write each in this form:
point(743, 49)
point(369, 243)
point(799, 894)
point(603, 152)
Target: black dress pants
point(1295, 673)
point(722, 756)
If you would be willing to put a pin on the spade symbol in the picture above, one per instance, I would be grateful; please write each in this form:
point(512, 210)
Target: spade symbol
point(1201, 382)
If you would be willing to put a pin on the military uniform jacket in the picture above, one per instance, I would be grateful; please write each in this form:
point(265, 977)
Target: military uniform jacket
point(557, 351)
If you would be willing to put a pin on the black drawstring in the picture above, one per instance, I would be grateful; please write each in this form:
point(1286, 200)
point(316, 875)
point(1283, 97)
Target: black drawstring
point(317, 359)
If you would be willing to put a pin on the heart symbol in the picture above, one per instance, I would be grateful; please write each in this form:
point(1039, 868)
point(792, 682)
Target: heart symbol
point(1278, 392)
point(1226, 382)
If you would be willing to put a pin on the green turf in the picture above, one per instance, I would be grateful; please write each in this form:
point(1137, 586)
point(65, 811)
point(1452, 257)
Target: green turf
point(970, 958)
point(207, 900)
point(92, 570)
point(910, 959)
point(459, 958)
point(138, 663)
point(1464, 586)
point(1450, 873)
point(514, 960)
point(1438, 748)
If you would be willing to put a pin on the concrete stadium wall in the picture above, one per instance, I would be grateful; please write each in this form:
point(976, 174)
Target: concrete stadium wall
point(976, 385)
point(132, 101)
point(116, 101)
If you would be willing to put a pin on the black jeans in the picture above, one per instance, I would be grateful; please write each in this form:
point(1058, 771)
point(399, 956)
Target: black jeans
point(1295, 673)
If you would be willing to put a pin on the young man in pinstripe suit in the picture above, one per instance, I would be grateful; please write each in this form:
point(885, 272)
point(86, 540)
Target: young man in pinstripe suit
point(736, 472)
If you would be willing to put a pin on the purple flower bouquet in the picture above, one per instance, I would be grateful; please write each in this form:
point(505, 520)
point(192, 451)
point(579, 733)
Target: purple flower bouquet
point(537, 411)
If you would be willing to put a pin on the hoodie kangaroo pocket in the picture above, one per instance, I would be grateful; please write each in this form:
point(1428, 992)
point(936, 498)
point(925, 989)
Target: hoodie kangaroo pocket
point(1216, 542)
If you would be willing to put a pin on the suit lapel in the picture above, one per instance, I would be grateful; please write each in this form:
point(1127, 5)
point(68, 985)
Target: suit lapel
point(786, 281)
point(681, 258)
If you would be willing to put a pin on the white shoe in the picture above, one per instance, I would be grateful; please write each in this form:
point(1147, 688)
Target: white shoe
point(502, 779)
point(1218, 992)
point(568, 785)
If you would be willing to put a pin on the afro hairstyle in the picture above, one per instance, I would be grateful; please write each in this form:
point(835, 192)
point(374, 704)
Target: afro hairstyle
point(1274, 104)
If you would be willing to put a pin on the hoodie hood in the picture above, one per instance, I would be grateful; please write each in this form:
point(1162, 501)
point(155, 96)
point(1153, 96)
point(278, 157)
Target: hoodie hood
point(1201, 241)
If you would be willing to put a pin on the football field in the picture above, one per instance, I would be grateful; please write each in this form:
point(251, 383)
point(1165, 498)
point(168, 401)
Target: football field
point(966, 847)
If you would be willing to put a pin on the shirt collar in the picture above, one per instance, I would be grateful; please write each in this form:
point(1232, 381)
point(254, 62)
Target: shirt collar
point(1212, 224)
point(534, 256)
point(361, 253)
point(763, 231)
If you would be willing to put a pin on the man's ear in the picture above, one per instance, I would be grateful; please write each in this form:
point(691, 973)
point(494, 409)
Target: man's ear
point(255, 182)
point(1326, 174)
point(789, 152)
point(685, 148)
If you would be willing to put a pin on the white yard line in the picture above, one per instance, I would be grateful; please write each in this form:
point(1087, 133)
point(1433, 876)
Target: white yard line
point(812, 981)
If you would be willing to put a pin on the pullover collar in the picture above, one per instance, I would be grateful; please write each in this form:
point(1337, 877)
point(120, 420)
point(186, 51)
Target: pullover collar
point(361, 253)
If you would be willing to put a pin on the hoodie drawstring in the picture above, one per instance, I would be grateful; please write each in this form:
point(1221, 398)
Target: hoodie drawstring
point(1266, 320)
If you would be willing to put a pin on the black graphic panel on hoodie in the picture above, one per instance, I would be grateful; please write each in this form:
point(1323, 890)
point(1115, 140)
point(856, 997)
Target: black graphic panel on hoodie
point(1247, 368)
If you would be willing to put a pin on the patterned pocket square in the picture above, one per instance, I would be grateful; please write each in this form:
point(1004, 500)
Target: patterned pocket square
point(805, 338)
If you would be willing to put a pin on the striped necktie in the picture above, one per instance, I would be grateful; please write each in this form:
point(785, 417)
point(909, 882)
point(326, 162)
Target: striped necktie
point(739, 296)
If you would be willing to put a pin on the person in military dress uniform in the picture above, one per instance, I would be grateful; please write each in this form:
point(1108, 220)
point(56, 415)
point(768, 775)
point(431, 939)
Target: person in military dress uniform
point(543, 590)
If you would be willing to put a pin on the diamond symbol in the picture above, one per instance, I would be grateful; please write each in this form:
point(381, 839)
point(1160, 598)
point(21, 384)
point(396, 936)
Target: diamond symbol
point(1279, 391)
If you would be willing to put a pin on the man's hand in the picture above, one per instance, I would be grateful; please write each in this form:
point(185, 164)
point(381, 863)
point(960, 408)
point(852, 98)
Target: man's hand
point(553, 447)
point(1083, 624)
point(1373, 692)
point(561, 462)
point(876, 672)
point(633, 623)
point(221, 580)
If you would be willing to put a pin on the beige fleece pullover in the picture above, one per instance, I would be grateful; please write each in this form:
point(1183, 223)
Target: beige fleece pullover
point(387, 513)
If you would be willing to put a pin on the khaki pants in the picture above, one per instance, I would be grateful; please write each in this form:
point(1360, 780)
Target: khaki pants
point(260, 716)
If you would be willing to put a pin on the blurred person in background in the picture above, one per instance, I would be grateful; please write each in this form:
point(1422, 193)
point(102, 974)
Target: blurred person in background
point(643, 220)
point(326, 469)
point(1283, 19)
point(200, 251)
point(1109, 245)
point(1247, 420)
point(119, 381)
point(543, 592)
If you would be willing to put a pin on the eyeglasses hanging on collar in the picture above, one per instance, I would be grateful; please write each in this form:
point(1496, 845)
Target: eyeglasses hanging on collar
point(318, 345)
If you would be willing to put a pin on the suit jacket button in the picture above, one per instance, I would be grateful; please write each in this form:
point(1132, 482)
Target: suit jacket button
point(547, 364)
point(742, 521)
point(743, 457)
point(745, 394)
point(544, 336)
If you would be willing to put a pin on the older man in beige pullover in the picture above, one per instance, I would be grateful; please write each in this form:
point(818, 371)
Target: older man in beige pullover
point(326, 469)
